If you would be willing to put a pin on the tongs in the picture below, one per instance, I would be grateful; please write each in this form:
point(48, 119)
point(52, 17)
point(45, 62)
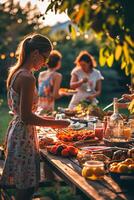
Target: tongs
point(111, 104)
point(110, 148)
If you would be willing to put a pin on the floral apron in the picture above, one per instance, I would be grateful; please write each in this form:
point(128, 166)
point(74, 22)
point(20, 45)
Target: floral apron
point(21, 166)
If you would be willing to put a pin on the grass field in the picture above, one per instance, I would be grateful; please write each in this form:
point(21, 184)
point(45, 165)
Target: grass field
point(4, 120)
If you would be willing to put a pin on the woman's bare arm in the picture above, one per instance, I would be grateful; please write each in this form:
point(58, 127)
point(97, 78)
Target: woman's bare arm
point(75, 83)
point(128, 96)
point(26, 98)
point(56, 87)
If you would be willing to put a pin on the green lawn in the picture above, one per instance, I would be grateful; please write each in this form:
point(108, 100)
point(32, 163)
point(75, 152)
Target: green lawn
point(4, 121)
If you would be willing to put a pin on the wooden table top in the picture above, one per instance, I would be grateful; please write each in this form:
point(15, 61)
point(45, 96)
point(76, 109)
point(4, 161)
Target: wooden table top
point(106, 189)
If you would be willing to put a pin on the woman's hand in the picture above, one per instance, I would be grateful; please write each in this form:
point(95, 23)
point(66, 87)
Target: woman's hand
point(76, 83)
point(84, 80)
point(91, 97)
point(62, 123)
point(127, 96)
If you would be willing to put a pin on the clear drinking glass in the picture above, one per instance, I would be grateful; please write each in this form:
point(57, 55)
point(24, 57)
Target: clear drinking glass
point(127, 131)
point(131, 122)
point(99, 130)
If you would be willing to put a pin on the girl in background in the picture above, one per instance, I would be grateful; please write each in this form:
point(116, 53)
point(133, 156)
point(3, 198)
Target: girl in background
point(49, 82)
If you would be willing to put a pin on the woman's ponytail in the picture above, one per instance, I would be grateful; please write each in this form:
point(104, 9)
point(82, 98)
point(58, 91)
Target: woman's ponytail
point(21, 56)
point(29, 44)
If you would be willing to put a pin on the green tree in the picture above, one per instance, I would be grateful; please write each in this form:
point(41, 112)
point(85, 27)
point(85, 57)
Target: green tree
point(111, 20)
point(15, 22)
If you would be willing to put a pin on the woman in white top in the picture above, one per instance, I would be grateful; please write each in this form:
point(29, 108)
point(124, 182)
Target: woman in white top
point(86, 79)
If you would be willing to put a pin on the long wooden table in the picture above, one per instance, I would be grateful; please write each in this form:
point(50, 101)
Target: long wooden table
point(106, 189)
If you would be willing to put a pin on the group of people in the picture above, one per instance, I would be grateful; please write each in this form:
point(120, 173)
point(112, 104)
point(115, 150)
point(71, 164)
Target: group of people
point(84, 78)
point(21, 145)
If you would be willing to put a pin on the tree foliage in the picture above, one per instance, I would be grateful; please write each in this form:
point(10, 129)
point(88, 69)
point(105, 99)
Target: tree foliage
point(111, 20)
point(15, 22)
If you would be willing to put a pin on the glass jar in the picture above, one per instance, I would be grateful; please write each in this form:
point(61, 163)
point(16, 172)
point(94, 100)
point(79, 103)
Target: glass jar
point(93, 170)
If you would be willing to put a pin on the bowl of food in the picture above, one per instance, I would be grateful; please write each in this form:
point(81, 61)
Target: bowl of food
point(122, 169)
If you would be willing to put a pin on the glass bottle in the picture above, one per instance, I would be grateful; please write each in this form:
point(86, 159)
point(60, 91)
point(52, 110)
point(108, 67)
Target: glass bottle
point(115, 117)
point(116, 123)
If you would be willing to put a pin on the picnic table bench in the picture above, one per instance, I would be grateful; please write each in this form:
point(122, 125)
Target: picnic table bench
point(70, 171)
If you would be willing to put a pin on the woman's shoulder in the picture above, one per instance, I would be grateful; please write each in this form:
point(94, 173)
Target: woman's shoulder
point(25, 79)
point(97, 74)
point(27, 76)
point(43, 73)
point(76, 70)
point(96, 71)
point(57, 74)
